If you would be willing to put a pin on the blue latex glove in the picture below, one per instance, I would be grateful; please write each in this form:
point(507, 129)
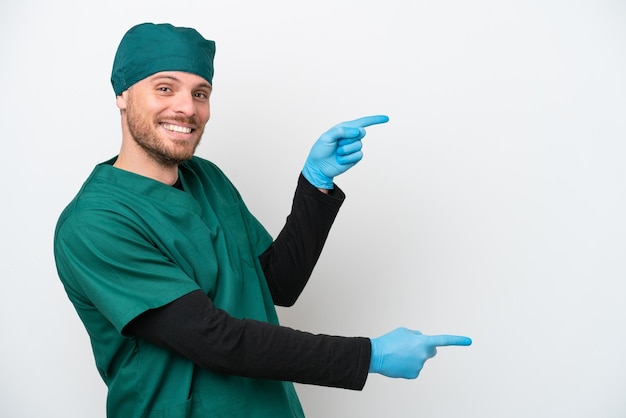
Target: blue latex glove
point(403, 352)
point(337, 150)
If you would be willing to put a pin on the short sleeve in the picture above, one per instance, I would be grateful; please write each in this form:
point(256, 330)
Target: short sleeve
point(106, 260)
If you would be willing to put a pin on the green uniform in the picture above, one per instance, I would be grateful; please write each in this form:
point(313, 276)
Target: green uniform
point(127, 244)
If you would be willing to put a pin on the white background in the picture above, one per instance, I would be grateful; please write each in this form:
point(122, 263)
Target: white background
point(491, 205)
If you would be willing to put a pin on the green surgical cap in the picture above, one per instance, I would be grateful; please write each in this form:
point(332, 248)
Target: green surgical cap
point(149, 48)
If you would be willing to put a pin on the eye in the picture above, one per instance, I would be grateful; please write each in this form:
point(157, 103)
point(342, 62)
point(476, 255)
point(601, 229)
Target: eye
point(201, 95)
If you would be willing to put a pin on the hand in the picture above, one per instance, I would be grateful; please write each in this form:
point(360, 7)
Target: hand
point(402, 353)
point(337, 150)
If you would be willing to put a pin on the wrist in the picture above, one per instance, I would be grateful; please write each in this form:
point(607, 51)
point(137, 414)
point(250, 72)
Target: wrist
point(375, 357)
point(317, 178)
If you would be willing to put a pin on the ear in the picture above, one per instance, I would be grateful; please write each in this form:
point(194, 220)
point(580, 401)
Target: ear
point(120, 100)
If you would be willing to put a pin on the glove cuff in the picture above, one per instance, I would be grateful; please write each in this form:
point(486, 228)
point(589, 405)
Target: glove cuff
point(317, 179)
point(376, 359)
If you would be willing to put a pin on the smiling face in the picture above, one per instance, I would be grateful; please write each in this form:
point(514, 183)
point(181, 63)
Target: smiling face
point(164, 116)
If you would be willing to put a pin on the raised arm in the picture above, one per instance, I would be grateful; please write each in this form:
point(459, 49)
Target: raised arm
point(290, 260)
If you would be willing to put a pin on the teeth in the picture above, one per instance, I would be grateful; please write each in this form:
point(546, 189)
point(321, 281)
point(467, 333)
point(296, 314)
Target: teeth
point(177, 128)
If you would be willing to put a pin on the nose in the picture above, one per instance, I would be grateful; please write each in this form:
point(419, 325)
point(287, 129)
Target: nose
point(185, 104)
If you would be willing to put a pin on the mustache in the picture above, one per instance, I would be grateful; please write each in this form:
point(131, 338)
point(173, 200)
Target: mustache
point(179, 119)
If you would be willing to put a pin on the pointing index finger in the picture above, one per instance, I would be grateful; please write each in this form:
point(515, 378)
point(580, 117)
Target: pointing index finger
point(445, 340)
point(366, 121)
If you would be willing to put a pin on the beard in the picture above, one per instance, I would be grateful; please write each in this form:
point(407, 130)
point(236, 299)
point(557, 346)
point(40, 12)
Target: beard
point(147, 134)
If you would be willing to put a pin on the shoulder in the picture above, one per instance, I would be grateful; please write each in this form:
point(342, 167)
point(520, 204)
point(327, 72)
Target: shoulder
point(108, 198)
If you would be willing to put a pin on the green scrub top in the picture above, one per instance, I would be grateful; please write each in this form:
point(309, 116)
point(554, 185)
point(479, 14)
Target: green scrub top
point(126, 244)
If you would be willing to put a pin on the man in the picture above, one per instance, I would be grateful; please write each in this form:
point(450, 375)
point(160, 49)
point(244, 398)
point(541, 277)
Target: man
point(176, 281)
